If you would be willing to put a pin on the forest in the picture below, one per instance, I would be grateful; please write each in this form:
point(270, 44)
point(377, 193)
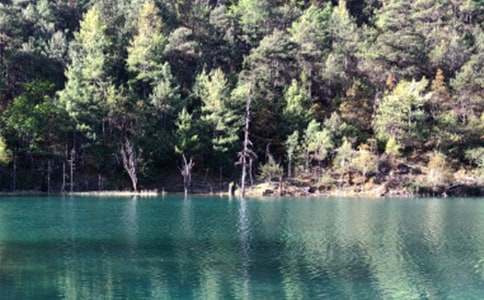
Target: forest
point(195, 94)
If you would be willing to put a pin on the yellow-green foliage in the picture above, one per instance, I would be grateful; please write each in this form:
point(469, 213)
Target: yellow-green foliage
point(392, 147)
point(344, 156)
point(5, 154)
point(438, 170)
point(318, 142)
point(365, 161)
point(146, 48)
point(270, 170)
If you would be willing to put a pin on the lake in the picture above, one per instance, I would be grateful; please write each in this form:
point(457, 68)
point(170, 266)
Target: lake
point(215, 248)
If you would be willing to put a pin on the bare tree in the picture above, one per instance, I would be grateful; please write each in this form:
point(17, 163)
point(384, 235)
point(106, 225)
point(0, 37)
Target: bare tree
point(129, 158)
point(186, 172)
point(246, 155)
point(72, 165)
point(14, 172)
point(63, 186)
point(49, 172)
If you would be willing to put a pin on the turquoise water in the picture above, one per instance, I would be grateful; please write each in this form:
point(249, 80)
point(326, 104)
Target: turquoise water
point(213, 248)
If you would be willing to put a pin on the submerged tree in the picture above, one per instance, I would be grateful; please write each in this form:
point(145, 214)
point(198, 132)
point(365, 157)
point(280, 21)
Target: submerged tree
point(186, 144)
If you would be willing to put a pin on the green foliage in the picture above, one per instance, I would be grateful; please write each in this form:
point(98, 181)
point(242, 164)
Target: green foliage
point(218, 111)
point(298, 109)
point(252, 16)
point(33, 120)
point(310, 32)
point(186, 137)
point(147, 46)
point(476, 156)
point(341, 62)
point(166, 93)
point(88, 74)
point(292, 145)
point(318, 142)
point(399, 49)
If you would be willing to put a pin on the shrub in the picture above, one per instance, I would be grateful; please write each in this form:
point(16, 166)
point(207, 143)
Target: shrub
point(365, 161)
point(392, 147)
point(476, 156)
point(270, 170)
point(438, 172)
point(344, 156)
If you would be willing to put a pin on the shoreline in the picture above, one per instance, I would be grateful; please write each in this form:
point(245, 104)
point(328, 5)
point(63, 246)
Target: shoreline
point(271, 190)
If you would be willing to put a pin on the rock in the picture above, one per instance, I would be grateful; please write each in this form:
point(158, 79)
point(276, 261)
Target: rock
point(403, 169)
point(267, 192)
point(384, 167)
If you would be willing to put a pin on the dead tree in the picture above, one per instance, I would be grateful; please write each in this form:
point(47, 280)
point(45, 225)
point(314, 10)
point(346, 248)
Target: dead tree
point(14, 172)
point(49, 172)
point(251, 171)
point(246, 155)
point(129, 158)
point(72, 165)
point(63, 186)
point(186, 172)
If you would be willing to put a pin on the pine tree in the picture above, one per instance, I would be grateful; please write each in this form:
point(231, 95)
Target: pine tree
point(312, 35)
point(401, 114)
point(218, 112)
point(344, 156)
point(166, 93)
point(253, 16)
point(399, 49)
point(88, 77)
point(145, 53)
point(298, 109)
point(318, 143)
point(342, 64)
point(469, 81)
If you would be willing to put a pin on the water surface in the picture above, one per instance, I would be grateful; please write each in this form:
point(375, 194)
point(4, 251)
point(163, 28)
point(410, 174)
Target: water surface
point(213, 248)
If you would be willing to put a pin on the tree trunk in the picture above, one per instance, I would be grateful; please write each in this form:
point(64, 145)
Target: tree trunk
point(220, 178)
point(289, 168)
point(186, 172)
point(63, 186)
point(251, 173)
point(306, 161)
point(128, 155)
point(280, 186)
point(99, 182)
point(245, 154)
point(71, 167)
point(49, 171)
point(14, 173)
